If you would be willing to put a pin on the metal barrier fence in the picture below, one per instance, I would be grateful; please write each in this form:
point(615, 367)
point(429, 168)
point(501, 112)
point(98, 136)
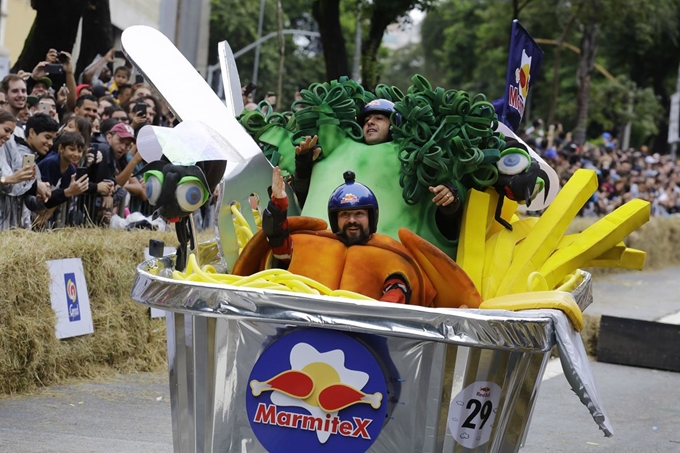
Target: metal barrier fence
point(86, 210)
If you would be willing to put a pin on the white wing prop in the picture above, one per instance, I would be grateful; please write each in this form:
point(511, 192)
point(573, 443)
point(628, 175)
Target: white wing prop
point(189, 142)
point(540, 202)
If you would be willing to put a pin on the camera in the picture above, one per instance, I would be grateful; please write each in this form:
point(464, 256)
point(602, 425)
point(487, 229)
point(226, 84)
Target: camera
point(53, 68)
point(140, 108)
point(62, 58)
point(80, 172)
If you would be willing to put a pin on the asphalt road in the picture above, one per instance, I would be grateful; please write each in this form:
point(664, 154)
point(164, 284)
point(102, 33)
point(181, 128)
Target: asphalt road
point(131, 413)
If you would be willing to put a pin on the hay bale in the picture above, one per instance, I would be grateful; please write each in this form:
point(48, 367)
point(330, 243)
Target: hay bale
point(125, 339)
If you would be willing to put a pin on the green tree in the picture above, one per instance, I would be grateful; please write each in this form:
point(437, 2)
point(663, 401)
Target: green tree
point(376, 16)
point(611, 109)
point(237, 23)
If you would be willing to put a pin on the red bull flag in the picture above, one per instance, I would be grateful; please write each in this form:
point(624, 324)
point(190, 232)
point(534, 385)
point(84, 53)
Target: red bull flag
point(524, 61)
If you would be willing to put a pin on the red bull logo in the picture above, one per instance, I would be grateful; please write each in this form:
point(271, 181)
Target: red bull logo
point(517, 94)
point(317, 389)
point(349, 198)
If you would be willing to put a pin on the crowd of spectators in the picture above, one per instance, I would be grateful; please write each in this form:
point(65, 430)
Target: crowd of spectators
point(68, 152)
point(622, 174)
point(67, 142)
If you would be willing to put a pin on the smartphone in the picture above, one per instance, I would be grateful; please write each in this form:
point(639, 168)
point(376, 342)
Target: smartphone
point(44, 108)
point(29, 160)
point(140, 108)
point(53, 68)
point(139, 78)
point(80, 172)
point(119, 54)
point(62, 58)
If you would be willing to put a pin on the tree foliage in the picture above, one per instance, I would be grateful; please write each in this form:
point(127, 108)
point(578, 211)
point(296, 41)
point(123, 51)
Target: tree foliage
point(465, 46)
point(237, 23)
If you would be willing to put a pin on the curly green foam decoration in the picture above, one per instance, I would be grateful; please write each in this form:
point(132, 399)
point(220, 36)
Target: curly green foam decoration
point(445, 135)
point(442, 136)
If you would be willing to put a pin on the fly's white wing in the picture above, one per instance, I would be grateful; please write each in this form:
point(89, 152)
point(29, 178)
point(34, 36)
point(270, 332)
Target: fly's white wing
point(189, 142)
point(188, 95)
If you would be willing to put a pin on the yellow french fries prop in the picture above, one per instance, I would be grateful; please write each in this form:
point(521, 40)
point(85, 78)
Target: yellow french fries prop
point(536, 257)
point(473, 236)
point(534, 265)
point(540, 299)
point(277, 279)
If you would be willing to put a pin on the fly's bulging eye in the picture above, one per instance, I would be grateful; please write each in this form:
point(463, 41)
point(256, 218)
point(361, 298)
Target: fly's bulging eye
point(154, 187)
point(189, 196)
point(513, 163)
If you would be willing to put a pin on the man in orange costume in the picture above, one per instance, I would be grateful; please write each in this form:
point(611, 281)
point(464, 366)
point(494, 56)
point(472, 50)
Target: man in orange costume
point(351, 256)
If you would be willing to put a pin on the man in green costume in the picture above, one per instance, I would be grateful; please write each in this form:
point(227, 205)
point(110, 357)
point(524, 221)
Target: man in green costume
point(377, 160)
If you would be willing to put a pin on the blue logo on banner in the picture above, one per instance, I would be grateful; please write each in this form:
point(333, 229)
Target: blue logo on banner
point(72, 297)
point(316, 390)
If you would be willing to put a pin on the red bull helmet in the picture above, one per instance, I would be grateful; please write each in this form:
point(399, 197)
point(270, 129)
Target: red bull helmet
point(352, 195)
point(378, 106)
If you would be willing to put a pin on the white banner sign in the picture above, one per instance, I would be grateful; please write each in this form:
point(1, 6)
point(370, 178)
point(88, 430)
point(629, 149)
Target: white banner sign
point(69, 296)
point(156, 313)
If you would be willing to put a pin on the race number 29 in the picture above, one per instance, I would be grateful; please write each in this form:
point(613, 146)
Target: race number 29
point(472, 413)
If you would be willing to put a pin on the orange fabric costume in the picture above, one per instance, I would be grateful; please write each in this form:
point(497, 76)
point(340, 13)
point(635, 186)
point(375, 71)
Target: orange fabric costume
point(434, 279)
point(360, 268)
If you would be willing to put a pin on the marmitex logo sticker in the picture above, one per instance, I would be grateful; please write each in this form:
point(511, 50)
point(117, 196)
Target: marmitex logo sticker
point(316, 390)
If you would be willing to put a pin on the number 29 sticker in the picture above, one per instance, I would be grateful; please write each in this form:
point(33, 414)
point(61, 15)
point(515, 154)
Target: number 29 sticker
point(472, 413)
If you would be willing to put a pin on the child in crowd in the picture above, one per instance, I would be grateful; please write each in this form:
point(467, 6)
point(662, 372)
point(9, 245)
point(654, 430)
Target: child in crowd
point(121, 76)
point(60, 169)
point(40, 133)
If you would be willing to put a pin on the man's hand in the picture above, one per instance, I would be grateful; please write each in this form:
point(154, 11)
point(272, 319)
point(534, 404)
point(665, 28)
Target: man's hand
point(43, 191)
point(136, 156)
point(443, 195)
point(25, 174)
point(109, 56)
point(138, 118)
point(278, 186)
point(39, 70)
point(62, 94)
point(306, 145)
point(107, 202)
point(68, 65)
point(76, 187)
point(105, 188)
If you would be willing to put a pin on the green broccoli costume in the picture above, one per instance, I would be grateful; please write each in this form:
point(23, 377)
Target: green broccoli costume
point(438, 136)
